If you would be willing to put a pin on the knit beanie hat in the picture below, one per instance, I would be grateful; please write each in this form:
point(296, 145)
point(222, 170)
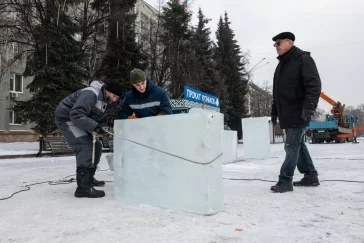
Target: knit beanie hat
point(137, 76)
point(115, 88)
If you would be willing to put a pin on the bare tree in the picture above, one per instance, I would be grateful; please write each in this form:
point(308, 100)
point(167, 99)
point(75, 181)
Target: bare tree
point(319, 115)
point(92, 20)
point(260, 99)
point(358, 112)
point(14, 40)
point(149, 37)
point(18, 19)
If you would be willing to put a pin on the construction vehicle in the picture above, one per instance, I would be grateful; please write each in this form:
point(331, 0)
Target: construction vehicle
point(338, 127)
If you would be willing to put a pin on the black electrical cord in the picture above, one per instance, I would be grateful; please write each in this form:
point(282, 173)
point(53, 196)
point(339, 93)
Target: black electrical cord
point(52, 183)
point(242, 179)
point(344, 181)
point(69, 181)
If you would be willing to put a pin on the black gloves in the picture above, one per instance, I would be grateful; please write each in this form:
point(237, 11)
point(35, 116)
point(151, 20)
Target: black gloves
point(306, 115)
point(274, 120)
point(100, 130)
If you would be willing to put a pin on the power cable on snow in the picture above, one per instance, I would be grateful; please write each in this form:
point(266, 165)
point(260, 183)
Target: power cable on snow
point(243, 179)
point(52, 183)
point(71, 180)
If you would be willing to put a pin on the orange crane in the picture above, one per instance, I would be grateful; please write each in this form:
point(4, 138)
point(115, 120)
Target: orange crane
point(343, 121)
point(337, 107)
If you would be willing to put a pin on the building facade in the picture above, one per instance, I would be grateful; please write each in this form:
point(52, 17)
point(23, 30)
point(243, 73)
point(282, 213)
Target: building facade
point(13, 85)
point(146, 22)
point(259, 100)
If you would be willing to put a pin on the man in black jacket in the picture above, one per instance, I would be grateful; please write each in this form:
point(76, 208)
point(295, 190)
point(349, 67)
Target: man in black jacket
point(296, 91)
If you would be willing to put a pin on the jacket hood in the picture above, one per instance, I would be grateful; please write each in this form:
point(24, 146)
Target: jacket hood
point(99, 87)
point(96, 85)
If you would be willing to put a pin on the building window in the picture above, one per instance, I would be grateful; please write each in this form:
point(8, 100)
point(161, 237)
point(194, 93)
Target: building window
point(153, 27)
point(16, 83)
point(17, 51)
point(14, 118)
point(144, 25)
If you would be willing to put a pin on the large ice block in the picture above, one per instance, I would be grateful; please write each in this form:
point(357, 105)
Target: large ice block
point(230, 142)
point(256, 138)
point(170, 161)
point(199, 110)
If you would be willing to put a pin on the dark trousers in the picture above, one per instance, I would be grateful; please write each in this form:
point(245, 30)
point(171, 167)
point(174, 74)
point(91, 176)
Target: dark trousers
point(296, 155)
point(81, 142)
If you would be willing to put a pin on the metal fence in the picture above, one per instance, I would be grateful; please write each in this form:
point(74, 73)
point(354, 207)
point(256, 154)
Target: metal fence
point(182, 103)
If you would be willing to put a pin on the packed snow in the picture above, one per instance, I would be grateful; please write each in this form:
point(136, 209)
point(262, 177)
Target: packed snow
point(332, 212)
point(19, 148)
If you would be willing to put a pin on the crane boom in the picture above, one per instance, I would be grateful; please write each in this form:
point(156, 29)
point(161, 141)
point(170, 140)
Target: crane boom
point(337, 107)
point(328, 99)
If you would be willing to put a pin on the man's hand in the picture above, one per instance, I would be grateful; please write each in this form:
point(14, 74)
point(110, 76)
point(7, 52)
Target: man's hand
point(100, 130)
point(307, 114)
point(133, 116)
point(274, 120)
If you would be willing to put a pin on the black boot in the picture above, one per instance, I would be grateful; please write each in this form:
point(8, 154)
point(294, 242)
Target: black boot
point(84, 188)
point(282, 187)
point(307, 181)
point(95, 182)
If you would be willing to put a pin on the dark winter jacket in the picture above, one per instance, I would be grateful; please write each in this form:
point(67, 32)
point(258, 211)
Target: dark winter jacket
point(152, 102)
point(85, 108)
point(296, 86)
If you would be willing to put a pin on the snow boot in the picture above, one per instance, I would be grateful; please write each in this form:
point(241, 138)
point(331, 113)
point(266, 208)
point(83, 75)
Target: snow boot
point(307, 181)
point(84, 188)
point(95, 182)
point(282, 187)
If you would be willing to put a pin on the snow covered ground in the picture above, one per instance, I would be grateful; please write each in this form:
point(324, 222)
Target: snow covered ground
point(332, 212)
point(19, 148)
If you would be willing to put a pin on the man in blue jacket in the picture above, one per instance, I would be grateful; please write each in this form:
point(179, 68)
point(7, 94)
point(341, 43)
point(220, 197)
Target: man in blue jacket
point(145, 99)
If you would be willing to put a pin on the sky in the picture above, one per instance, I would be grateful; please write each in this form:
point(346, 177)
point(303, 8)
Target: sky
point(332, 30)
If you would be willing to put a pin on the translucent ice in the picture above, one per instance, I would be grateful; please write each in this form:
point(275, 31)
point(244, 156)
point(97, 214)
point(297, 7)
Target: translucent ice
point(256, 138)
point(230, 142)
point(170, 161)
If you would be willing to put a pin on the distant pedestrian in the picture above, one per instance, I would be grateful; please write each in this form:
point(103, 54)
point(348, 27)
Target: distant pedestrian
point(296, 92)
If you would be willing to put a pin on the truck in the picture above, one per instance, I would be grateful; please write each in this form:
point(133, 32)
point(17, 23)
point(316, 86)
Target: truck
point(334, 129)
point(337, 127)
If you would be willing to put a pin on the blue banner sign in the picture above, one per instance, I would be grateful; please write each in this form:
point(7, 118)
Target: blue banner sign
point(200, 97)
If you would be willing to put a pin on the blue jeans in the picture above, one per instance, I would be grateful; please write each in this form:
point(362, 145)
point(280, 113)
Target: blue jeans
point(296, 155)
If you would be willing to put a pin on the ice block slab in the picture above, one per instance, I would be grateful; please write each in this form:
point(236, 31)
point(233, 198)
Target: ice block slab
point(230, 142)
point(199, 110)
point(171, 162)
point(256, 138)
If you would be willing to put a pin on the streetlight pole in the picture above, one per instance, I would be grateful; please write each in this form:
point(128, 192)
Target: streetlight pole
point(256, 65)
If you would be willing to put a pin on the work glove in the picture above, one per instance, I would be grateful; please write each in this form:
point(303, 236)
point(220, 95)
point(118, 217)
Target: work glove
point(100, 130)
point(307, 114)
point(274, 120)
